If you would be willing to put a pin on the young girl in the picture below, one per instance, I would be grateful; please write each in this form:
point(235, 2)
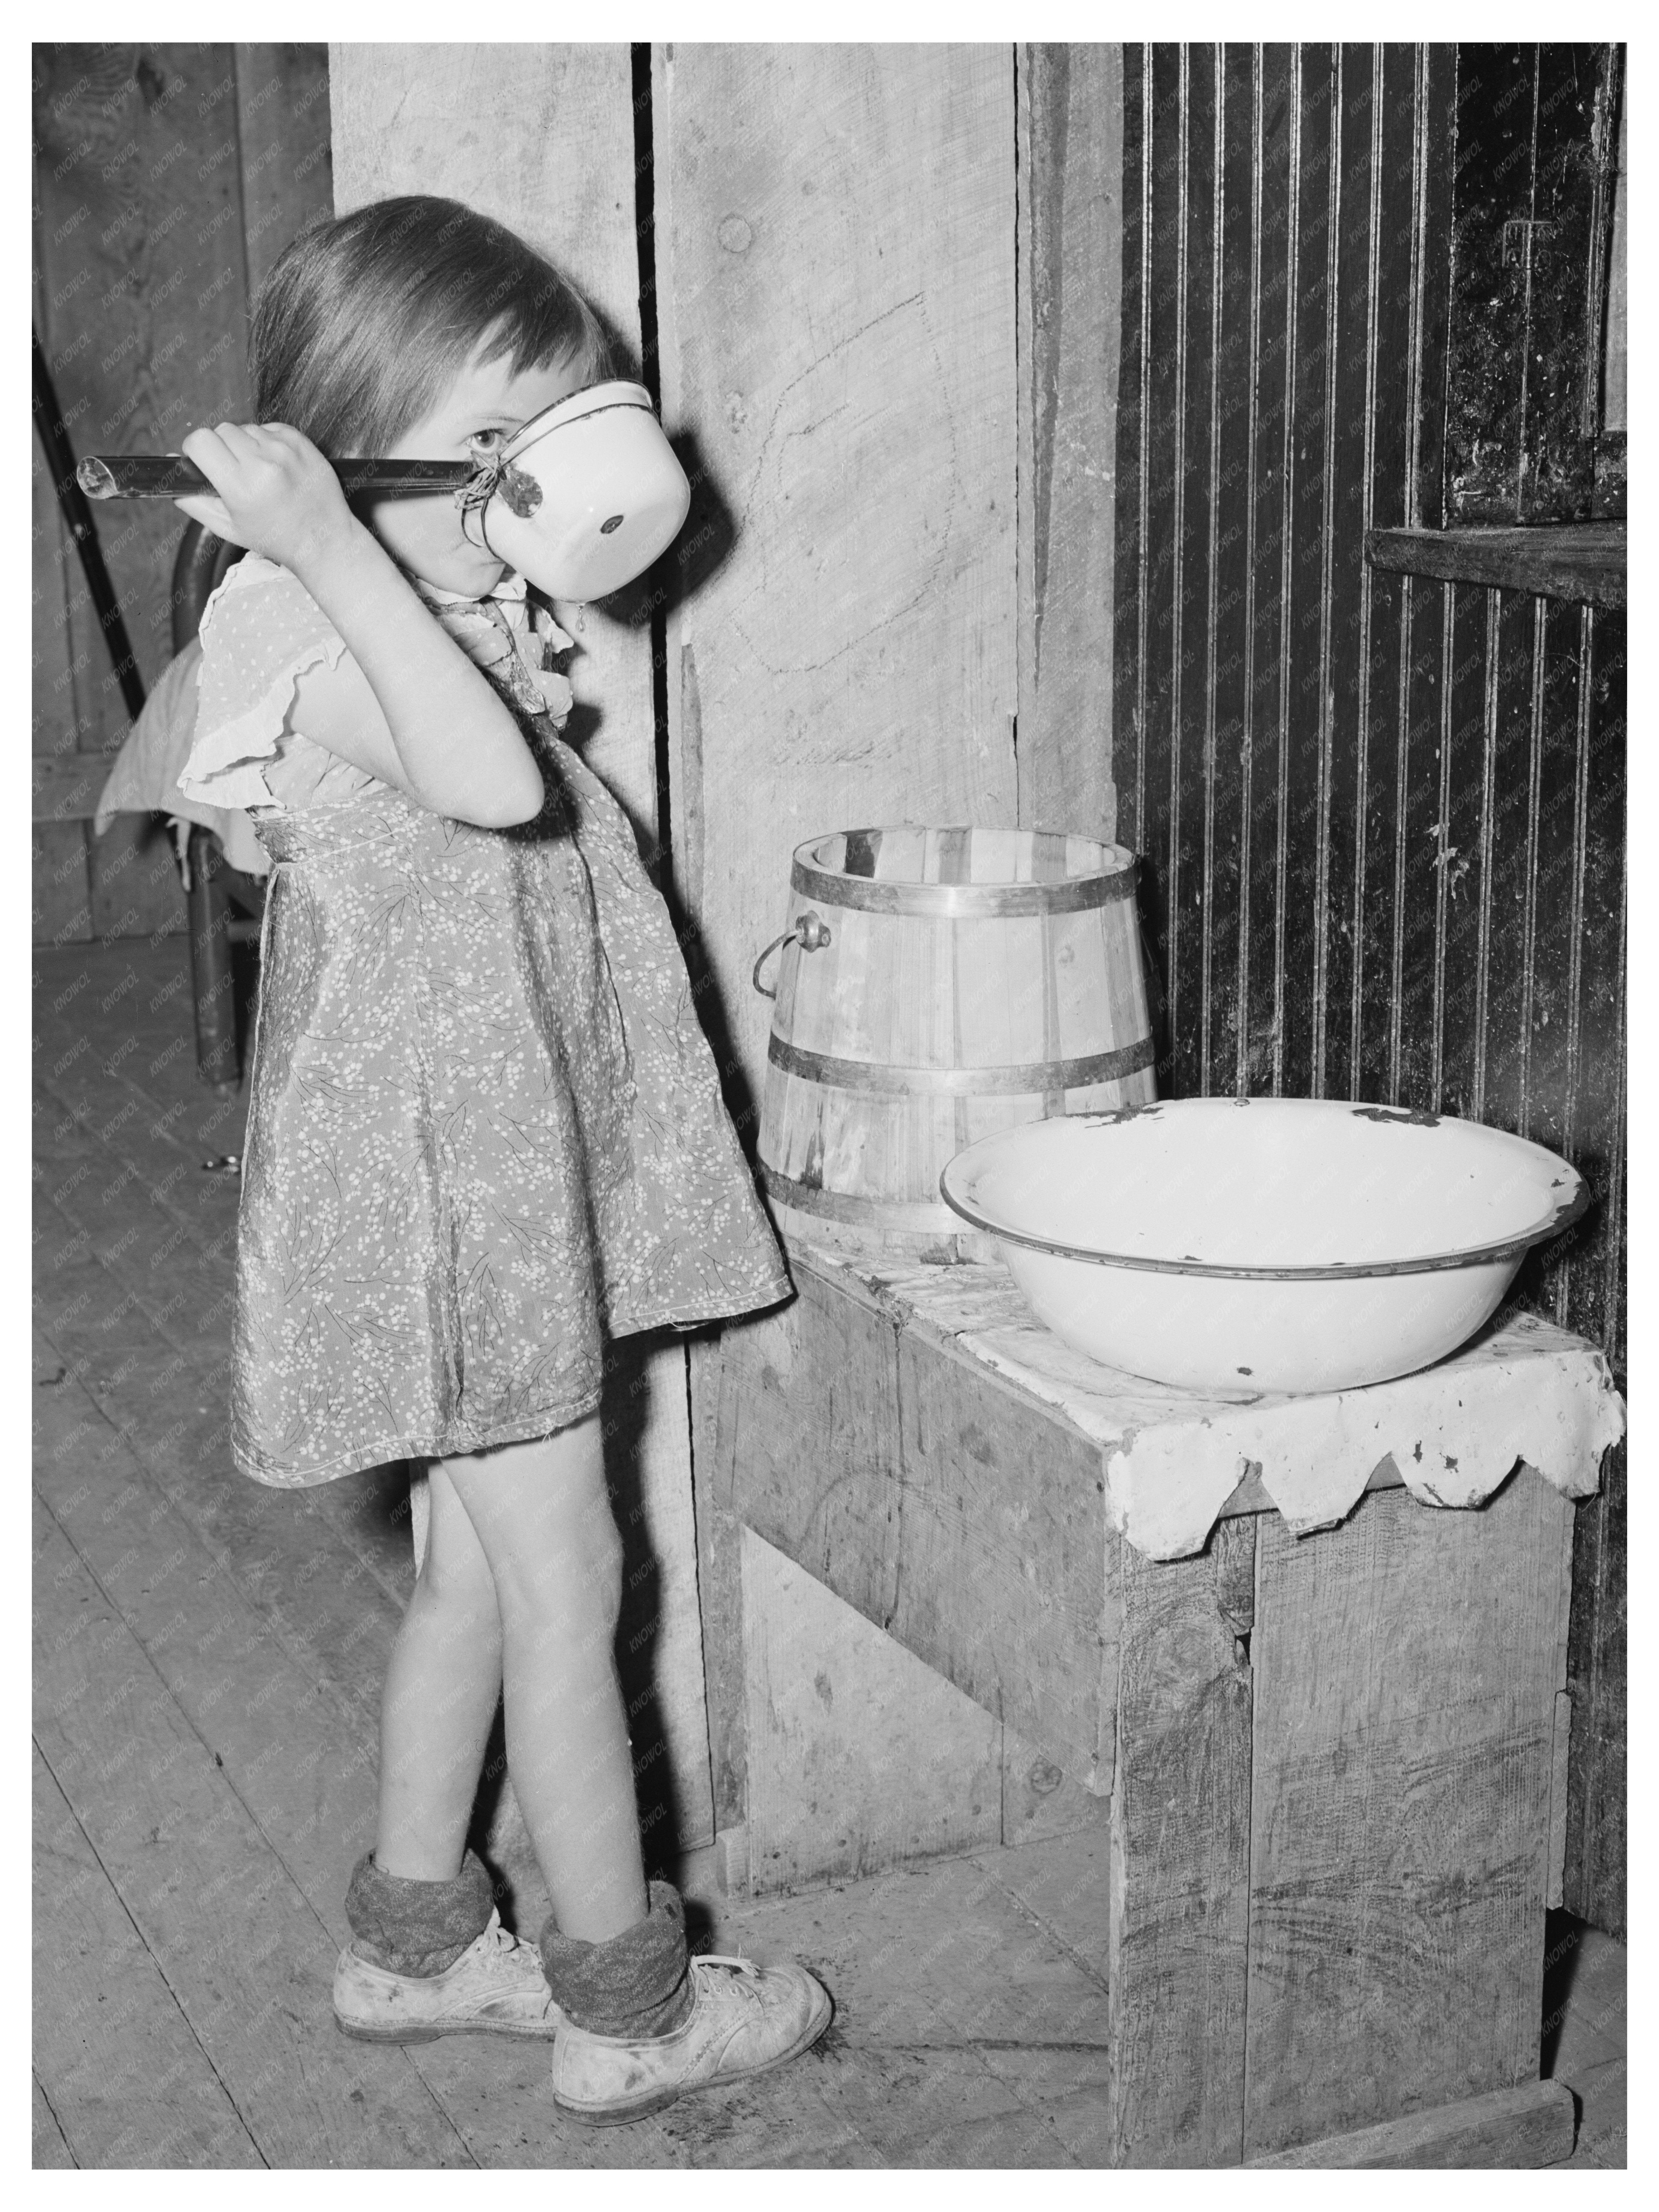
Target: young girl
point(482, 1126)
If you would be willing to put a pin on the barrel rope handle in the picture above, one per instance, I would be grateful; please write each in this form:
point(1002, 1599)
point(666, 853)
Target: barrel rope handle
point(809, 931)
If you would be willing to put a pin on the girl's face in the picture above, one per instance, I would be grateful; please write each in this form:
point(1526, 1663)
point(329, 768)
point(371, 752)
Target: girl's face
point(423, 534)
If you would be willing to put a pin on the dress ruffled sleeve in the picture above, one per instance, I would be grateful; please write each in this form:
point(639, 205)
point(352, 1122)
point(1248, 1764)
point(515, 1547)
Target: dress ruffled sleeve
point(261, 631)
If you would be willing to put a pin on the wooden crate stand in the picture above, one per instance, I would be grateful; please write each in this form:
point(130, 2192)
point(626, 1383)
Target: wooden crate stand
point(1336, 1763)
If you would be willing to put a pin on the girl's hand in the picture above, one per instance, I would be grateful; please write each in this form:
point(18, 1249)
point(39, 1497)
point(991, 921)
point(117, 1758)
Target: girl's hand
point(276, 492)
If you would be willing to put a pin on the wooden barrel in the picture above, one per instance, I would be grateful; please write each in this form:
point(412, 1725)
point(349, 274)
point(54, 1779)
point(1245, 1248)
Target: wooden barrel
point(937, 986)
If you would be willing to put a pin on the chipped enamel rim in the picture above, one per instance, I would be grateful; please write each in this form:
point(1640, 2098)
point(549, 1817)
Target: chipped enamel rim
point(1567, 1210)
point(596, 399)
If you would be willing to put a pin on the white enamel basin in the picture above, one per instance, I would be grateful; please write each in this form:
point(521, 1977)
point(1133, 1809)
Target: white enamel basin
point(1271, 1244)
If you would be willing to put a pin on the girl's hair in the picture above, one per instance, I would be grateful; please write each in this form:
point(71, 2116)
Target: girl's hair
point(366, 319)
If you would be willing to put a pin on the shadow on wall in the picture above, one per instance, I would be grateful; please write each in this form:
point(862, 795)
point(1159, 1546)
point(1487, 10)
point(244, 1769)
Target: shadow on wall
point(706, 541)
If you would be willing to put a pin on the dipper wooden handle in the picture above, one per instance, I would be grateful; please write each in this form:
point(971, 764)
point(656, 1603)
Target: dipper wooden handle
point(165, 476)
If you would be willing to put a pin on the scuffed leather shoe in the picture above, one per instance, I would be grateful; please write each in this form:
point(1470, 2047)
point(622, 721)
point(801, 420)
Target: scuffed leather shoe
point(496, 1987)
point(743, 2019)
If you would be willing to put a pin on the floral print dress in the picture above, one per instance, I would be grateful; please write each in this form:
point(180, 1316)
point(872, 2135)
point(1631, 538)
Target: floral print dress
point(485, 1127)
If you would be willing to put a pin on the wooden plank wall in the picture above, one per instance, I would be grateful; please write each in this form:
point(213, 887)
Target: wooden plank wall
point(1070, 115)
point(167, 178)
point(556, 164)
point(1382, 819)
point(835, 286)
point(835, 231)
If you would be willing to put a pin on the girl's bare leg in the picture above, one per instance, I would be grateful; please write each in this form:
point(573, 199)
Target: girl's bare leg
point(441, 1691)
point(542, 1513)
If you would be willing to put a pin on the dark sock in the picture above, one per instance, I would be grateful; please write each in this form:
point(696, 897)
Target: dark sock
point(636, 1984)
point(418, 1927)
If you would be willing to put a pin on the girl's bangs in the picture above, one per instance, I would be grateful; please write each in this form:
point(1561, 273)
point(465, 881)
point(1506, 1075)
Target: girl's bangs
point(533, 336)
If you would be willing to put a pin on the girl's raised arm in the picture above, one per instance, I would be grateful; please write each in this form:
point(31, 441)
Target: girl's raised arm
point(408, 708)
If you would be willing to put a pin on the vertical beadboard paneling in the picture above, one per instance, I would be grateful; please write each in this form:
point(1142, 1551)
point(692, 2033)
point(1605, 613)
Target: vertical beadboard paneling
point(1307, 614)
point(1271, 450)
point(1191, 630)
point(1596, 1137)
point(1456, 883)
point(1553, 923)
point(1428, 642)
point(1508, 875)
point(1351, 325)
point(1229, 733)
point(1597, 1659)
point(1164, 551)
point(1382, 818)
point(1391, 232)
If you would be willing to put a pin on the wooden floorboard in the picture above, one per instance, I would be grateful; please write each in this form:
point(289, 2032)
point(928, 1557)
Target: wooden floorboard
point(958, 2024)
point(1062, 1885)
point(126, 2076)
point(248, 1961)
point(48, 2148)
point(298, 1756)
point(284, 1549)
point(1586, 2037)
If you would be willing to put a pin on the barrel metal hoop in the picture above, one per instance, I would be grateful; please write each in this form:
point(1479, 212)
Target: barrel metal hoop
point(961, 901)
point(1030, 1078)
point(864, 1213)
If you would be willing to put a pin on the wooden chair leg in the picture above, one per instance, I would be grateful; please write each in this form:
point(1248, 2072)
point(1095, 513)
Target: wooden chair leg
point(217, 1061)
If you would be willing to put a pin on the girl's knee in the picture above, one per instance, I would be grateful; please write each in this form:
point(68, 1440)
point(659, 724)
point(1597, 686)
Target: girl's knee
point(573, 1569)
point(461, 1592)
point(455, 1574)
point(542, 1513)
